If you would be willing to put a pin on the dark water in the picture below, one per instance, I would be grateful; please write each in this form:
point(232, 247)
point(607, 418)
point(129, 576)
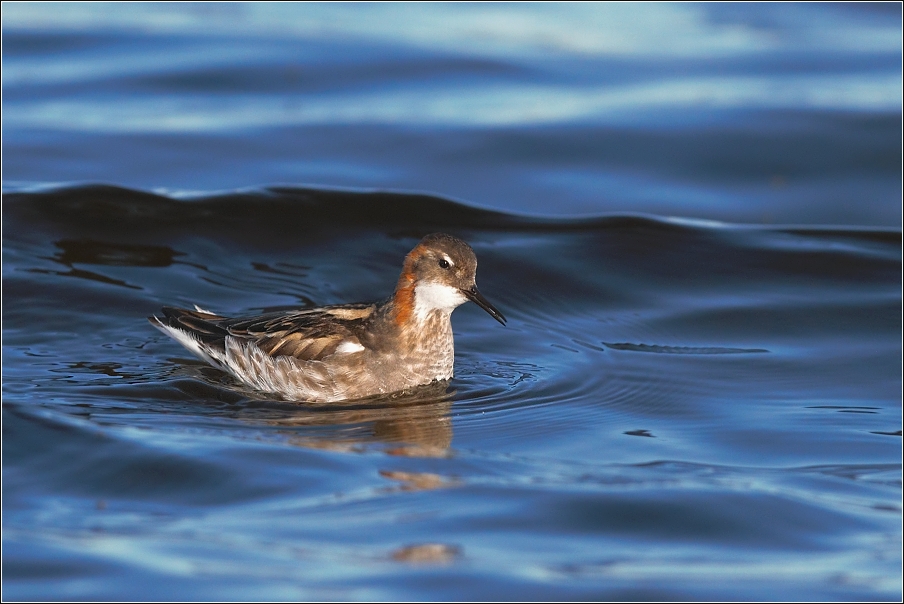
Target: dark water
point(678, 409)
point(674, 411)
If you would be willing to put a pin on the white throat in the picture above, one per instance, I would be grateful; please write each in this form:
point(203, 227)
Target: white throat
point(429, 297)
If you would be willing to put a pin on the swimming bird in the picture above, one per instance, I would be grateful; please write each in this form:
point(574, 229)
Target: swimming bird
point(345, 351)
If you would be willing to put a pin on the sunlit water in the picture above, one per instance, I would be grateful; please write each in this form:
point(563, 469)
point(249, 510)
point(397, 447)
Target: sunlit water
point(678, 408)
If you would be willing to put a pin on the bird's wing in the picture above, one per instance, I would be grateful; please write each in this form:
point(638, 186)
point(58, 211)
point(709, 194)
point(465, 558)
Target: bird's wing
point(304, 334)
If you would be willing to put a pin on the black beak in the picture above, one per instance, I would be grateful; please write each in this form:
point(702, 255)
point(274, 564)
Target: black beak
point(475, 296)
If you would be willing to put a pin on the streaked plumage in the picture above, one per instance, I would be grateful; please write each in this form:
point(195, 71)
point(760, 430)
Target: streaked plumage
point(346, 351)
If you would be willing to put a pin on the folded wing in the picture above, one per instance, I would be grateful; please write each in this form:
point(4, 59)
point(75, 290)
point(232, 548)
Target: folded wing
point(303, 334)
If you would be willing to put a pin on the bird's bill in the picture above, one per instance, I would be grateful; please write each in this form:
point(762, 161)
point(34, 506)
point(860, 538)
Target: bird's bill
point(477, 298)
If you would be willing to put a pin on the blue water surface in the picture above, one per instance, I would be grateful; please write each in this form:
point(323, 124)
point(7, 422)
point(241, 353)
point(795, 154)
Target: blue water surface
point(690, 214)
point(740, 112)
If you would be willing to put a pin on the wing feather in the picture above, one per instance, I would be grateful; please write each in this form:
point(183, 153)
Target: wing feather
point(303, 334)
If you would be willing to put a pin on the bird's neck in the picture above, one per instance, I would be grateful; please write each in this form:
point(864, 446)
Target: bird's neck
point(425, 301)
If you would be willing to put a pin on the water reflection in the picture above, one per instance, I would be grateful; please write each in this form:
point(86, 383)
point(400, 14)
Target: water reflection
point(427, 553)
point(101, 253)
point(86, 251)
point(415, 424)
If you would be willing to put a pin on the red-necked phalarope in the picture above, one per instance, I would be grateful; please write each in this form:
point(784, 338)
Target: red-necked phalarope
point(346, 351)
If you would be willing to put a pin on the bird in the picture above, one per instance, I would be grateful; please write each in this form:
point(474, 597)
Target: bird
point(345, 351)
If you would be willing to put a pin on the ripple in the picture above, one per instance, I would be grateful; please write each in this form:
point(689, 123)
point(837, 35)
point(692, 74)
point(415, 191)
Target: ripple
point(681, 349)
point(554, 431)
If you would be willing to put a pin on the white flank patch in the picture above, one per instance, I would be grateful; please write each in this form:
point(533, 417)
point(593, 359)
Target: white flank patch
point(348, 347)
point(199, 309)
point(436, 296)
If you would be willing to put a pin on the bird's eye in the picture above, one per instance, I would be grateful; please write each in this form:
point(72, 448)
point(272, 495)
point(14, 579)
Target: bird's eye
point(443, 263)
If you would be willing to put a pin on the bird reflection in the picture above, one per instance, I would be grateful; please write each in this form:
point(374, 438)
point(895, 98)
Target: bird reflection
point(415, 424)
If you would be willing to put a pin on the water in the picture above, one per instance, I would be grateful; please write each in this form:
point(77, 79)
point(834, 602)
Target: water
point(678, 409)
